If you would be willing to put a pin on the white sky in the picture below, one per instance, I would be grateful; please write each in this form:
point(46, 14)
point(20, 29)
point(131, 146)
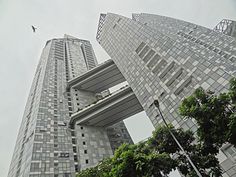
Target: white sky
point(20, 49)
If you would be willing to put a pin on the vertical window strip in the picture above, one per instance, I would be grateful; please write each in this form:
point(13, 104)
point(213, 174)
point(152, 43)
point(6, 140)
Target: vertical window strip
point(149, 56)
point(174, 77)
point(153, 61)
point(167, 69)
point(159, 66)
point(140, 47)
point(144, 51)
point(185, 84)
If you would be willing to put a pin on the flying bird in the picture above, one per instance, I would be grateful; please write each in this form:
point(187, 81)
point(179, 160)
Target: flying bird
point(33, 28)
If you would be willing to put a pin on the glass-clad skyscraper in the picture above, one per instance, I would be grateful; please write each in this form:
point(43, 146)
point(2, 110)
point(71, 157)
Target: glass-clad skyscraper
point(167, 59)
point(46, 146)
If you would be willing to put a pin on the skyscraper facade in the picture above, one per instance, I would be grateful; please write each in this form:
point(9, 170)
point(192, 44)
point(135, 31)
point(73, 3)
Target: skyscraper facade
point(46, 146)
point(167, 59)
point(227, 27)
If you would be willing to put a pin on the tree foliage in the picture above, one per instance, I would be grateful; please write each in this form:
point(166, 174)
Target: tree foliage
point(135, 161)
point(142, 161)
point(157, 157)
point(101, 170)
point(215, 116)
point(162, 141)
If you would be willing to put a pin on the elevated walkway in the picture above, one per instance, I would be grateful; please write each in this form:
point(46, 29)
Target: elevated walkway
point(98, 79)
point(110, 110)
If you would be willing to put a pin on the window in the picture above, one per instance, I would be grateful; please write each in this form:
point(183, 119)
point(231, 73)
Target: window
point(148, 56)
point(159, 66)
point(183, 86)
point(73, 141)
point(74, 149)
point(144, 51)
point(76, 168)
point(153, 61)
point(86, 161)
point(174, 77)
point(34, 166)
point(81, 128)
point(84, 143)
point(216, 50)
point(140, 47)
point(233, 58)
point(82, 134)
point(211, 47)
point(168, 69)
point(162, 94)
point(64, 154)
point(75, 158)
point(67, 175)
point(85, 151)
point(230, 151)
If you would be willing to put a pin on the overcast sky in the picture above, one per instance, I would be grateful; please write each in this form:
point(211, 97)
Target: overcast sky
point(20, 49)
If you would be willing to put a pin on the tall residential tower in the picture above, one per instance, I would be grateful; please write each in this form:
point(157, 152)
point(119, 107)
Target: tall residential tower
point(167, 59)
point(46, 146)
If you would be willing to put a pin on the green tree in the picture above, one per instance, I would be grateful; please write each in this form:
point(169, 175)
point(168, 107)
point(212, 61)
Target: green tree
point(215, 116)
point(161, 141)
point(89, 172)
point(157, 157)
point(101, 170)
point(104, 167)
point(139, 161)
point(133, 161)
